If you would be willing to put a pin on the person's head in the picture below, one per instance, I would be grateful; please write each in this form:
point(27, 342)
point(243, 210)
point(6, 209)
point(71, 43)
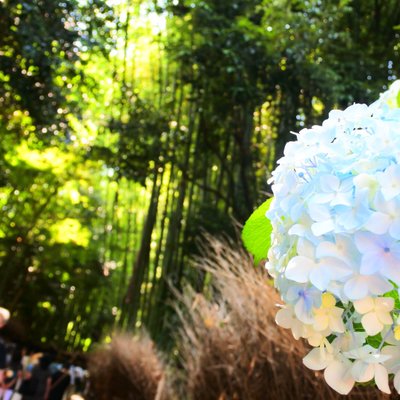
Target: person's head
point(45, 361)
point(4, 316)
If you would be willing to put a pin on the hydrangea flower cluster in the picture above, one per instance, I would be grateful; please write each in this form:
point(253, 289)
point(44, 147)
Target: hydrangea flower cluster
point(335, 250)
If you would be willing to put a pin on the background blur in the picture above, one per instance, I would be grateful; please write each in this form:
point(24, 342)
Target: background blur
point(129, 127)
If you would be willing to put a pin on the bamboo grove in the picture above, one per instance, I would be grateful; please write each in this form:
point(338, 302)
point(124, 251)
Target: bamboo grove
point(130, 128)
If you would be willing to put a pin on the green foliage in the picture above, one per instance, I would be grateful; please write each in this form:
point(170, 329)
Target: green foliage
point(257, 231)
point(374, 341)
point(142, 141)
point(48, 255)
point(42, 41)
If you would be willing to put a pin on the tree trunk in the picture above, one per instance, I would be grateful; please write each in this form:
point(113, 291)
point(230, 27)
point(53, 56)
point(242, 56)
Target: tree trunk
point(132, 299)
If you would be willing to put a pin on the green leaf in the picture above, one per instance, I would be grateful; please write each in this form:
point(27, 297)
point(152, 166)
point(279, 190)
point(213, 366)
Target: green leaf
point(374, 341)
point(256, 232)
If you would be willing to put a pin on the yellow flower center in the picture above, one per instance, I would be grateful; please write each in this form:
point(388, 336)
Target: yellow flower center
point(328, 300)
point(397, 332)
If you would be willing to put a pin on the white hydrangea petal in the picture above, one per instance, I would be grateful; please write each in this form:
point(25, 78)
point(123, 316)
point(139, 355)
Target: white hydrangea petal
point(350, 340)
point(355, 111)
point(327, 249)
point(392, 271)
point(366, 181)
point(321, 322)
point(315, 338)
point(382, 378)
point(337, 377)
point(342, 248)
point(321, 228)
point(371, 324)
point(379, 285)
point(335, 114)
point(385, 318)
point(370, 264)
point(362, 371)
point(299, 269)
point(337, 325)
point(320, 278)
point(296, 210)
point(329, 183)
point(297, 330)
point(305, 248)
point(319, 212)
point(393, 363)
point(394, 229)
point(390, 208)
point(303, 311)
point(284, 318)
point(346, 186)
point(390, 181)
point(356, 288)
point(384, 303)
point(364, 242)
point(337, 269)
point(316, 359)
point(336, 288)
point(378, 223)
point(342, 199)
point(321, 198)
point(298, 230)
point(365, 305)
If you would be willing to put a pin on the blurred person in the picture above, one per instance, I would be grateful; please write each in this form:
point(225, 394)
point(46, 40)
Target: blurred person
point(60, 381)
point(26, 387)
point(13, 376)
point(26, 358)
point(10, 351)
point(37, 387)
point(27, 367)
point(35, 357)
point(4, 317)
point(3, 362)
point(77, 375)
point(16, 369)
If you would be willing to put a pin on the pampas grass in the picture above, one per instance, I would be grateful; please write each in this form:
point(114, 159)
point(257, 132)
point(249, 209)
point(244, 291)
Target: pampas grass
point(127, 369)
point(230, 344)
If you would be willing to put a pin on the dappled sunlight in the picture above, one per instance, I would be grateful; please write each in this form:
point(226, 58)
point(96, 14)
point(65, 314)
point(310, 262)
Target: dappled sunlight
point(51, 158)
point(70, 230)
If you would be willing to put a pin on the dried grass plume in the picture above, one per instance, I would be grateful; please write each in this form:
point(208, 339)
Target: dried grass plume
point(127, 369)
point(231, 346)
